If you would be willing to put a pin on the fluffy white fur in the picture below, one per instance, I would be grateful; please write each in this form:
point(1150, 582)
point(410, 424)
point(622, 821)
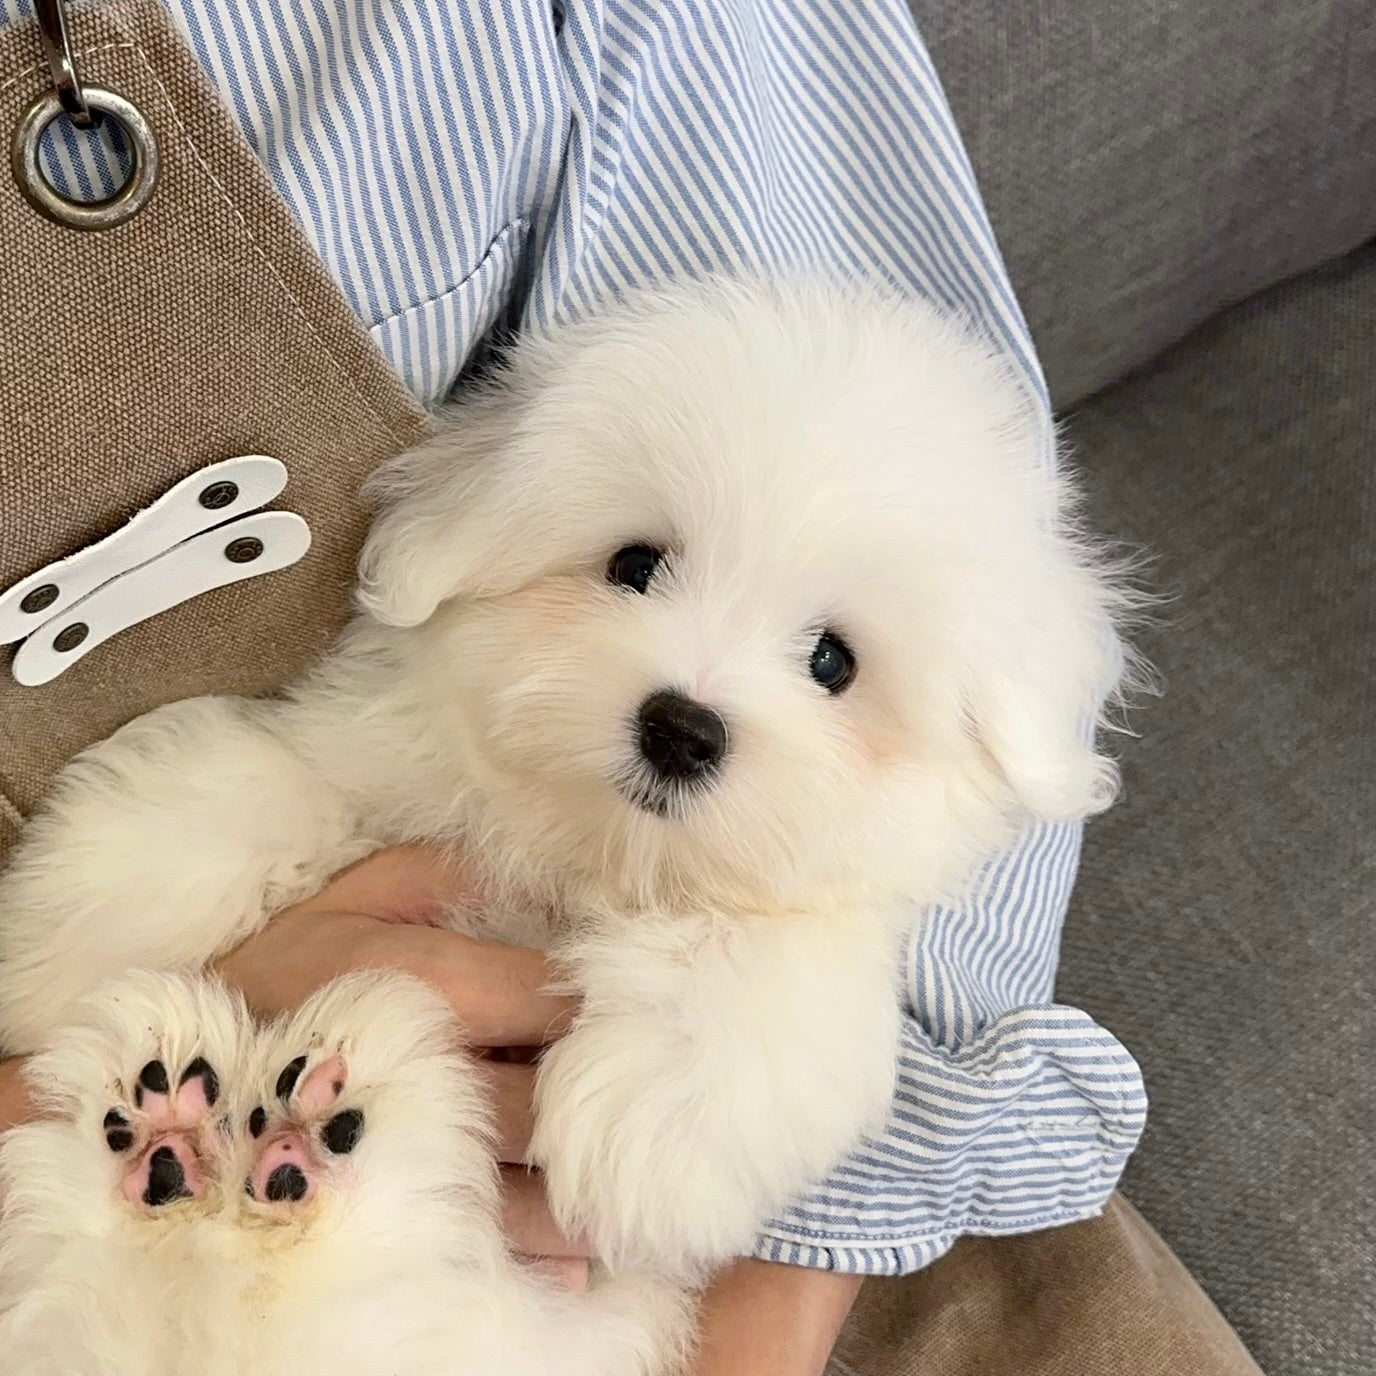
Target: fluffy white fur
point(397, 1264)
point(810, 458)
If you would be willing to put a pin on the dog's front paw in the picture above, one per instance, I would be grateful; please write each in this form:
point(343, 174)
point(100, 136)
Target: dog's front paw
point(700, 1091)
point(165, 1130)
point(301, 1125)
point(639, 1153)
point(139, 1091)
point(362, 1102)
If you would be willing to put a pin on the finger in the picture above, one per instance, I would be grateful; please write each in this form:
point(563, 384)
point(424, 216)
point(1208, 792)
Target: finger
point(16, 1105)
point(512, 1088)
point(500, 993)
point(568, 1273)
point(527, 1221)
point(495, 990)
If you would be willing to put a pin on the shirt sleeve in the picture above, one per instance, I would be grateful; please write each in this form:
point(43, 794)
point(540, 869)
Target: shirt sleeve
point(1010, 1114)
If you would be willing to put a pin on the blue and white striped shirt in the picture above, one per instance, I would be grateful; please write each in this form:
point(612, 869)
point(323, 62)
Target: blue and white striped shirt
point(446, 159)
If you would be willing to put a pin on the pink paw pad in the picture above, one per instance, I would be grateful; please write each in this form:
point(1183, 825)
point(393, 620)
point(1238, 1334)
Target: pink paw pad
point(165, 1134)
point(288, 1165)
point(321, 1087)
point(284, 1172)
point(168, 1170)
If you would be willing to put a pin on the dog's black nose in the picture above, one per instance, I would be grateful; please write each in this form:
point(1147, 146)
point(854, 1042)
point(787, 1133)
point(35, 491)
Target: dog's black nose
point(680, 738)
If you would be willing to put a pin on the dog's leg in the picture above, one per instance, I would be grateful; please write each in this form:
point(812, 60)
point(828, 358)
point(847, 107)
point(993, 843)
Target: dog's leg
point(365, 1090)
point(99, 1201)
point(368, 1155)
point(160, 847)
point(369, 1140)
point(144, 1073)
point(706, 1083)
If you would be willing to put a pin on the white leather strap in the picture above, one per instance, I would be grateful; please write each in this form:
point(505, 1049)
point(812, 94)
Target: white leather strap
point(219, 492)
point(246, 548)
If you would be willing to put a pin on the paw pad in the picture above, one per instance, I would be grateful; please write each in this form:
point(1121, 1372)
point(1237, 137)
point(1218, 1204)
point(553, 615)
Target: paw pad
point(286, 1081)
point(287, 1184)
point(201, 1069)
point(153, 1079)
point(171, 1141)
point(340, 1135)
point(118, 1135)
point(166, 1178)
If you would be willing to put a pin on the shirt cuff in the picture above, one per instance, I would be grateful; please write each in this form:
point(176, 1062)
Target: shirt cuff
point(1026, 1126)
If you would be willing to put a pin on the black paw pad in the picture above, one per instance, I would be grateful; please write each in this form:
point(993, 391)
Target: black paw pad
point(257, 1122)
point(340, 1135)
point(166, 1179)
point(286, 1184)
point(201, 1068)
point(117, 1135)
point(153, 1077)
point(291, 1073)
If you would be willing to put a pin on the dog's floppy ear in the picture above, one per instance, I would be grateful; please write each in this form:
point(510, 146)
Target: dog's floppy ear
point(440, 525)
point(1040, 694)
point(1040, 740)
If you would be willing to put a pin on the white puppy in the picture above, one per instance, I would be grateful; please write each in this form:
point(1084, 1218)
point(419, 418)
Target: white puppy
point(315, 1200)
point(715, 634)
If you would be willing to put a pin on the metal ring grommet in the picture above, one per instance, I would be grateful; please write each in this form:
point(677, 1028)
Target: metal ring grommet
point(39, 191)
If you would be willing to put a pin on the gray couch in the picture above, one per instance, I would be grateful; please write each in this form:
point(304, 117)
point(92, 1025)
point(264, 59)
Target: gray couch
point(1185, 193)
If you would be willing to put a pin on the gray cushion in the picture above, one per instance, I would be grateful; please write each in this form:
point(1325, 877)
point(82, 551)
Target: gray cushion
point(1224, 920)
point(1146, 162)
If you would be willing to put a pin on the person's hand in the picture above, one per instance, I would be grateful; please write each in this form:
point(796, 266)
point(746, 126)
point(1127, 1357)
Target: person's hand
point(759, 1318)
point(379, 915)
point(383, 913)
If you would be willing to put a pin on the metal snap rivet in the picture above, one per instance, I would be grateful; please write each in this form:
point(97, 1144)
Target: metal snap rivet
point(218, 495)
point(243, 550)
point(44, 197)
point(40, 599)
point(69, 637)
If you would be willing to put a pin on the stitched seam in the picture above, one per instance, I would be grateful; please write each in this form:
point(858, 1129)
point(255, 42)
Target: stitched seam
point(500, 247)
point(42, 67)
point(257, 248)
point(901, 1242)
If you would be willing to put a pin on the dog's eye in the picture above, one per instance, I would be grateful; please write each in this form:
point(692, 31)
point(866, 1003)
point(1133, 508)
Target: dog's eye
point(634, 566)
point(832, 665)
